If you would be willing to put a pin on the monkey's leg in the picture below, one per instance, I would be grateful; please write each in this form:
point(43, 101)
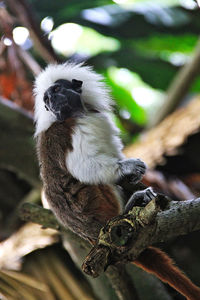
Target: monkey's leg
point(140, 198)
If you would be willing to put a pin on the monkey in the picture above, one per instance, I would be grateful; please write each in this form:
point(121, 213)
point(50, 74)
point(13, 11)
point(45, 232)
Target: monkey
point(82, 165)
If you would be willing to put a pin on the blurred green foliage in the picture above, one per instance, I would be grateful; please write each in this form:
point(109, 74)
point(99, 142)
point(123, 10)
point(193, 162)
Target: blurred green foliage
point(167, 44)
point(151, 39)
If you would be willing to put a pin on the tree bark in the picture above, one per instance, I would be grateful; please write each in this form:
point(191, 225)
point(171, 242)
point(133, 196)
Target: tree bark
point(159, 221)
point(126, 236)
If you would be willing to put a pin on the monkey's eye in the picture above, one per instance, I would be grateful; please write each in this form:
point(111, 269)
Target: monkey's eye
point(56, 88)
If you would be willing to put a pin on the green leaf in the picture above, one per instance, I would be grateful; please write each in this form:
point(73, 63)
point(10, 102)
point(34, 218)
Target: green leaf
point(153, 70)
point(143, 20)
point(159, 44)
point(125, 101)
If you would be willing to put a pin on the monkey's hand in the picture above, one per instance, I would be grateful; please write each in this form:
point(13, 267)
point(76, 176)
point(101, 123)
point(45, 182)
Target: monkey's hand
point(132, 168)
point(140, 198)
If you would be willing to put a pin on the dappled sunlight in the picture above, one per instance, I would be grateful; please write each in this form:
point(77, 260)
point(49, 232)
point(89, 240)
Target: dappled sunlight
point(29, 238)
point(20, 35)
point(47, 24)
point(64, 38)
point(72, 38)
point(144, 95)
point(7, 42)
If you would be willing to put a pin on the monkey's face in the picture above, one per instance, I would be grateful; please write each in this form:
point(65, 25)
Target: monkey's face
point(63, 99)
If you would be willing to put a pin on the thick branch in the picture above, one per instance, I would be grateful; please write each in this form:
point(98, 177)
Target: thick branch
point(126, 236)
point(181, 218)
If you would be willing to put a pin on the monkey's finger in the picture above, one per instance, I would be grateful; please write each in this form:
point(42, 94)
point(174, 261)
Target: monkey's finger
point(140, 162)
point(149, 195)
point(140, 170)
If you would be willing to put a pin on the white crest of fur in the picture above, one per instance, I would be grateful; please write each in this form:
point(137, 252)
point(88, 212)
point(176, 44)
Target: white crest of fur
point(96, 150)
point(94, 91)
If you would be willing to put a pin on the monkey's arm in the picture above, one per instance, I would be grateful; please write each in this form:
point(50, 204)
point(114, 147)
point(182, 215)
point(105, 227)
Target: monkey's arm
point(135, 192)
point(96, 157)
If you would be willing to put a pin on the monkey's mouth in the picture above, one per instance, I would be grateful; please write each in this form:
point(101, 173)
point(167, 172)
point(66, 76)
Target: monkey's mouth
point(62, 112)
point(63, 107)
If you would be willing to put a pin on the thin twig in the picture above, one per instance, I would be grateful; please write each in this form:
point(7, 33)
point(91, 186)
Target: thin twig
point(179, 86)
point(23, 11)
point(29, 61)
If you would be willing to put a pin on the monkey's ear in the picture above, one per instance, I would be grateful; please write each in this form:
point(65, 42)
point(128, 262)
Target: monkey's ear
point(76, 85)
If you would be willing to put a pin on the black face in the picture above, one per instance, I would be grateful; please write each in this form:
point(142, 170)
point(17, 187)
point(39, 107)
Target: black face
point(63, 99)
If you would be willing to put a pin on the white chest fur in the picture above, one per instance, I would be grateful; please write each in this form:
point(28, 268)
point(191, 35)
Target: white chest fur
point(96, 150)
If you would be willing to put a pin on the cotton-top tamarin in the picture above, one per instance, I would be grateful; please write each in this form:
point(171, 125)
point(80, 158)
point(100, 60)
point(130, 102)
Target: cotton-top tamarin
point(82, 164)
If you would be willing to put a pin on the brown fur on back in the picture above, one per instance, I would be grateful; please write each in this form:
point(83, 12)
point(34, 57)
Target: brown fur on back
point(82, 207)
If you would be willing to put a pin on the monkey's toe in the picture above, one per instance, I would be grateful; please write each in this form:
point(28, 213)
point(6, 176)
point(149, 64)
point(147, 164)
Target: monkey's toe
point(140, 198)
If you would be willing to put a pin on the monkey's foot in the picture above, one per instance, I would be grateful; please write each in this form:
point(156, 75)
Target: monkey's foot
point(140, 198)
point(134, 168)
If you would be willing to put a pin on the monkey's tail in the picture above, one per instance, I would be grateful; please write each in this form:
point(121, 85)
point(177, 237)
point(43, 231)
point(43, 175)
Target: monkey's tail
point(155, 261)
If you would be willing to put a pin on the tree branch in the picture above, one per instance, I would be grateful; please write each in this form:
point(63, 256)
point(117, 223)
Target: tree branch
point(179, 86)
point(36, 214)
point(118, 276)
point(21, 9)
point(126, 236)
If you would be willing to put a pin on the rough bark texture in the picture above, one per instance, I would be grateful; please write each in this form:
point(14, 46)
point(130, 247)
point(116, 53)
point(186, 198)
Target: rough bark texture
point(181, 218)
point(125, 237)
point(142, 227)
